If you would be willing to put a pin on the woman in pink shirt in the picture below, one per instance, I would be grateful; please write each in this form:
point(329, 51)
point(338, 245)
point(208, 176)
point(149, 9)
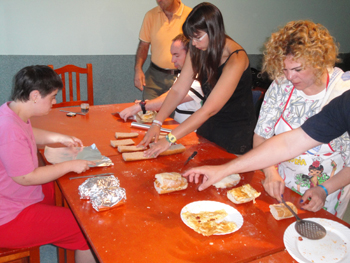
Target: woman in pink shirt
point(28, 215)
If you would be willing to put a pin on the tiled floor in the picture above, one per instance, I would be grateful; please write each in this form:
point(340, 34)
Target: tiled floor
point(48, 254)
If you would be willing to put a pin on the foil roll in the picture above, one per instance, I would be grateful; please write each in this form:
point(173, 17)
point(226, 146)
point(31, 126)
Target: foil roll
point(96, 184)
point(107, 198)
point(146, 126)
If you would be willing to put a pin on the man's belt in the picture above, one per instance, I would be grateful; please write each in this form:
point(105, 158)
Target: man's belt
point(167, 71)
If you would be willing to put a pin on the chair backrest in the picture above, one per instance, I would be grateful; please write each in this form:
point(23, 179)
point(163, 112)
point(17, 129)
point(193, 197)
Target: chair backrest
point(29, 254)
point(74, 98)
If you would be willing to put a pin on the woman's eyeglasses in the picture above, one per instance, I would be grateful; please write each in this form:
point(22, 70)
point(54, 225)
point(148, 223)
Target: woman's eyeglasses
point(199, 39)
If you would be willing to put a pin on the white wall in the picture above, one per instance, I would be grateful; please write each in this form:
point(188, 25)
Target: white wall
point(111, 27)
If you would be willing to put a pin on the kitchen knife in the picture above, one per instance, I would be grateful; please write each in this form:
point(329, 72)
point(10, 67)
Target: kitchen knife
point(191, 157)
point(90, 176)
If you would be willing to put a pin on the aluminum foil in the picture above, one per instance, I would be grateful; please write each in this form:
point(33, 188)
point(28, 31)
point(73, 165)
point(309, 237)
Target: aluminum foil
point(146, 126)
point(107, 198)
point(97, 184)
point(89, 153)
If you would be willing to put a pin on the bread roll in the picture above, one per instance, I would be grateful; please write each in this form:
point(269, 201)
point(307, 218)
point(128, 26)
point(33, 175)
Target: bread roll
point(243, 194)
point(116, 143)
point(169, 182)
point(123, 135)
point(133, 148)
point(148, 117)
point(280, 211)
point(229, 181)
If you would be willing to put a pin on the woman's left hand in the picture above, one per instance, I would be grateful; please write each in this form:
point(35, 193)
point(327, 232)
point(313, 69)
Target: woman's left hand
point(71, 141)
point(318, 199)
point(157, 148)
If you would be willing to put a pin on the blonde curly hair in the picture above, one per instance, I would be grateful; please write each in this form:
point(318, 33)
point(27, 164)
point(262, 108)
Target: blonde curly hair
point(304, 40)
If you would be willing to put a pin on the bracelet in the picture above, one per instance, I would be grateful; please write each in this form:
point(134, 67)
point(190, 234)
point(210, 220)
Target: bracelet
point(157, 122)
point(324, 188)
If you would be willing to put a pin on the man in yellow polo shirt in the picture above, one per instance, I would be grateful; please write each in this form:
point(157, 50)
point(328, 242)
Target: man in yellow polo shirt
point(160, 25)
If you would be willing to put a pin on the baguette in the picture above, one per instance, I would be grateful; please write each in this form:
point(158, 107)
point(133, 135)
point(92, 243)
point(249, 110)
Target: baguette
point(133, 148)
point(229, 181)
point(136, 156)
point(116, 143)
point(175, 148)
point(280, 211)
point(243, 194)
point(169, 182)
point(124, 135)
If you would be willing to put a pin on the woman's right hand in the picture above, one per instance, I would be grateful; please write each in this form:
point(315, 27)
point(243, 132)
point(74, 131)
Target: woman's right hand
point(273, 183)
point(153, 132)
point(210, 175)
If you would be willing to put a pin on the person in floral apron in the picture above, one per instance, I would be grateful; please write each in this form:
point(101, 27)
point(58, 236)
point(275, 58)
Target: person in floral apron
point(300, 57)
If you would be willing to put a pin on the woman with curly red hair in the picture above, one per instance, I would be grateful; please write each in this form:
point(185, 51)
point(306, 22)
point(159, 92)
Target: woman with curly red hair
point(300, 57)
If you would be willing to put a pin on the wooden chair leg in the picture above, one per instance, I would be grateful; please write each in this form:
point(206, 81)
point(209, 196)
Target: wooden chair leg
point(61, 255)
point(70, 256)
point(34, 255)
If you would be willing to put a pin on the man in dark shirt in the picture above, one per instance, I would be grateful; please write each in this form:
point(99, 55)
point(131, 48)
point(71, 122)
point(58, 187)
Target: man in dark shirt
point(330, 123)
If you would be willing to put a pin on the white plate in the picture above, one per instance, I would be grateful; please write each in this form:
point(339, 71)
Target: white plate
point(211, 206)
point(334, 247)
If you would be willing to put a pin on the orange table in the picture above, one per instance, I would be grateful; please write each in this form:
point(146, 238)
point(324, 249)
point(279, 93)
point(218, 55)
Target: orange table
point(148, 227)
point(98, 126)
point(279, 257)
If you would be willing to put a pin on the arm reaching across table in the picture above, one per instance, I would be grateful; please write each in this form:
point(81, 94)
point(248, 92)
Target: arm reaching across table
point(279, 148)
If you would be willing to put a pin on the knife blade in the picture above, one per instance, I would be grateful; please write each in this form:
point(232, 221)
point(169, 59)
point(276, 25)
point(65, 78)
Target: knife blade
point(191, 157)
point(90, 176)
point(74, 112)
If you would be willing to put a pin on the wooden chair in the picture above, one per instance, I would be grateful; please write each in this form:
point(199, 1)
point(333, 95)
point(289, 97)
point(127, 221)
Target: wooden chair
point(75, 90)
point(20, 255)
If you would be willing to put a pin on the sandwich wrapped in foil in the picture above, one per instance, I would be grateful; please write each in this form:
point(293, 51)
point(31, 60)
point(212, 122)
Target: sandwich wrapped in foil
point(108, 198)
point(104, 192)
point(96, 184)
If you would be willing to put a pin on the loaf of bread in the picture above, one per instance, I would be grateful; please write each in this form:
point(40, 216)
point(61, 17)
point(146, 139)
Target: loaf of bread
point(136, 156)
point(169, 182)
point(175, 148)
point(280, 211)
point(132, 148)
point(124, 135)
point(116, 143)
point(229, 181)
point(243, 194)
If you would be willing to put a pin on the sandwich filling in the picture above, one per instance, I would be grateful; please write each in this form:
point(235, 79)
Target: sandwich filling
point(209, 223)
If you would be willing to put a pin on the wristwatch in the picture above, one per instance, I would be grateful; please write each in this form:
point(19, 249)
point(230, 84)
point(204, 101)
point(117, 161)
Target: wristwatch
point(143, 106)
point(170, 138)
